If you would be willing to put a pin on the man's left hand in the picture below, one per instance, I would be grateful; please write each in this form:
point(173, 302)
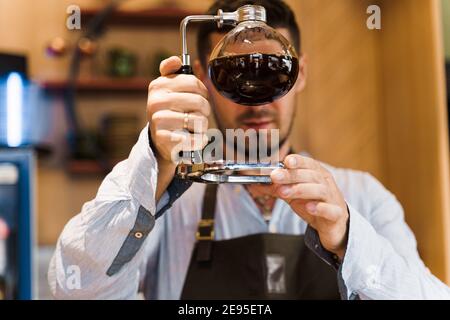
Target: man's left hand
point(312, 193)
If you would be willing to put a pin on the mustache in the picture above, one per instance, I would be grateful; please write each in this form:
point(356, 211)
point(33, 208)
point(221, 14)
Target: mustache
point(252, 114)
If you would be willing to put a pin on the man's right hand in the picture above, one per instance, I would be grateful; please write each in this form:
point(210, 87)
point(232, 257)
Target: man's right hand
point(172, 98)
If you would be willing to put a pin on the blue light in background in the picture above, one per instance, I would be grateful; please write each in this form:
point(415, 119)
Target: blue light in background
point(14, 106)
point(29, 116)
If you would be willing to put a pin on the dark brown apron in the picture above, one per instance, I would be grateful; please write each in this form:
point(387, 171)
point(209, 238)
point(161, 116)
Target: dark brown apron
point(259, 266)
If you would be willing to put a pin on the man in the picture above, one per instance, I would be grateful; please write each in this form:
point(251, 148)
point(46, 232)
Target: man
point(316, 232)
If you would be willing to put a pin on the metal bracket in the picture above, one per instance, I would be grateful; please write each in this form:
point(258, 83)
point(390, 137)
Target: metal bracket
point(228, 172)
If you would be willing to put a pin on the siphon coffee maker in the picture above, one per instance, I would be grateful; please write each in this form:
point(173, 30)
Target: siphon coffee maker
point(252, 65)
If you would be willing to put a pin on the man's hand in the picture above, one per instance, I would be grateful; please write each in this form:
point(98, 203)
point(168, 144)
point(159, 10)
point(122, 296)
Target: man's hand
point(171, 98)
point(313, 194)
point(177, 111)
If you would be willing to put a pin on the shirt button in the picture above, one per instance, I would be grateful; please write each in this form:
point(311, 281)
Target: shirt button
point(272, 229)
point(138, 235)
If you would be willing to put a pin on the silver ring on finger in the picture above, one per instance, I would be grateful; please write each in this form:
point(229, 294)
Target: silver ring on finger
point(186, 121)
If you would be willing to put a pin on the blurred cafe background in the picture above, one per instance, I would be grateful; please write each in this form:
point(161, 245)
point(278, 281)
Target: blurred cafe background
point(72, 103)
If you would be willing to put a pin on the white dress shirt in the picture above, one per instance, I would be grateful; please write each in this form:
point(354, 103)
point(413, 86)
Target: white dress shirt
point(116, 244)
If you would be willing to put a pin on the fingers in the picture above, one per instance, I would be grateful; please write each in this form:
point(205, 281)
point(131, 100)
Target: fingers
point(296, 161)
point(330, 212)
point(179, 83)
point(177, 110)
point(289, 176)
point(172, 120)
point(320, 215)
point(180, 102)
point(304, 191)
point(170, 65)
point(301, 179)
point(309, 188)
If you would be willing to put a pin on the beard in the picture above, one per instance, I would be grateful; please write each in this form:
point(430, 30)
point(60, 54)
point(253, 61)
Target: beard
point(263, 136)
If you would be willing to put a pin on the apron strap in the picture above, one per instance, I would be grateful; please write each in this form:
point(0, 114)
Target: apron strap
point(205, 229)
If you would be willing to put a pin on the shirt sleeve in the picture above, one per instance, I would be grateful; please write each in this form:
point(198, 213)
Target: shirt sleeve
point(175, 189)
point(99, 254)
point(381, 260)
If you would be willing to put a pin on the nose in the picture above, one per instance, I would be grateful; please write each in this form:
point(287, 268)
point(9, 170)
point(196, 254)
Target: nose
point(263, 107)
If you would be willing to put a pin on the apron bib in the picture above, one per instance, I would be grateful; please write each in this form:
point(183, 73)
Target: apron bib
point(259, 266)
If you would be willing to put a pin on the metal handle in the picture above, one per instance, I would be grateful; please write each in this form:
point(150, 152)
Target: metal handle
point(185, 69)
point(195, 156)
point(244, 13)
point(219, 172)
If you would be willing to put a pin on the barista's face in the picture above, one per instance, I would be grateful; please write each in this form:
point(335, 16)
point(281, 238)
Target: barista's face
point(275, 115)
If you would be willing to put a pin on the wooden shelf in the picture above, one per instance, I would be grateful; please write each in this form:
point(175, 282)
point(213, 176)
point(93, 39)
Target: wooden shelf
point(101, 84)
point(90, 167)
point(152, 17)
point(85, 167)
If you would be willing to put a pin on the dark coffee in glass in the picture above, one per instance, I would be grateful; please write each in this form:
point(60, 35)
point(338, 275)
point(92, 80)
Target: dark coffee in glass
point(253, 79)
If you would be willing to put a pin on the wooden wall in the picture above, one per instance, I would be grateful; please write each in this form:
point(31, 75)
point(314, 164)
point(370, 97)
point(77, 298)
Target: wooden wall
point(375, 101)
point(415, 118)
point(338, 117)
